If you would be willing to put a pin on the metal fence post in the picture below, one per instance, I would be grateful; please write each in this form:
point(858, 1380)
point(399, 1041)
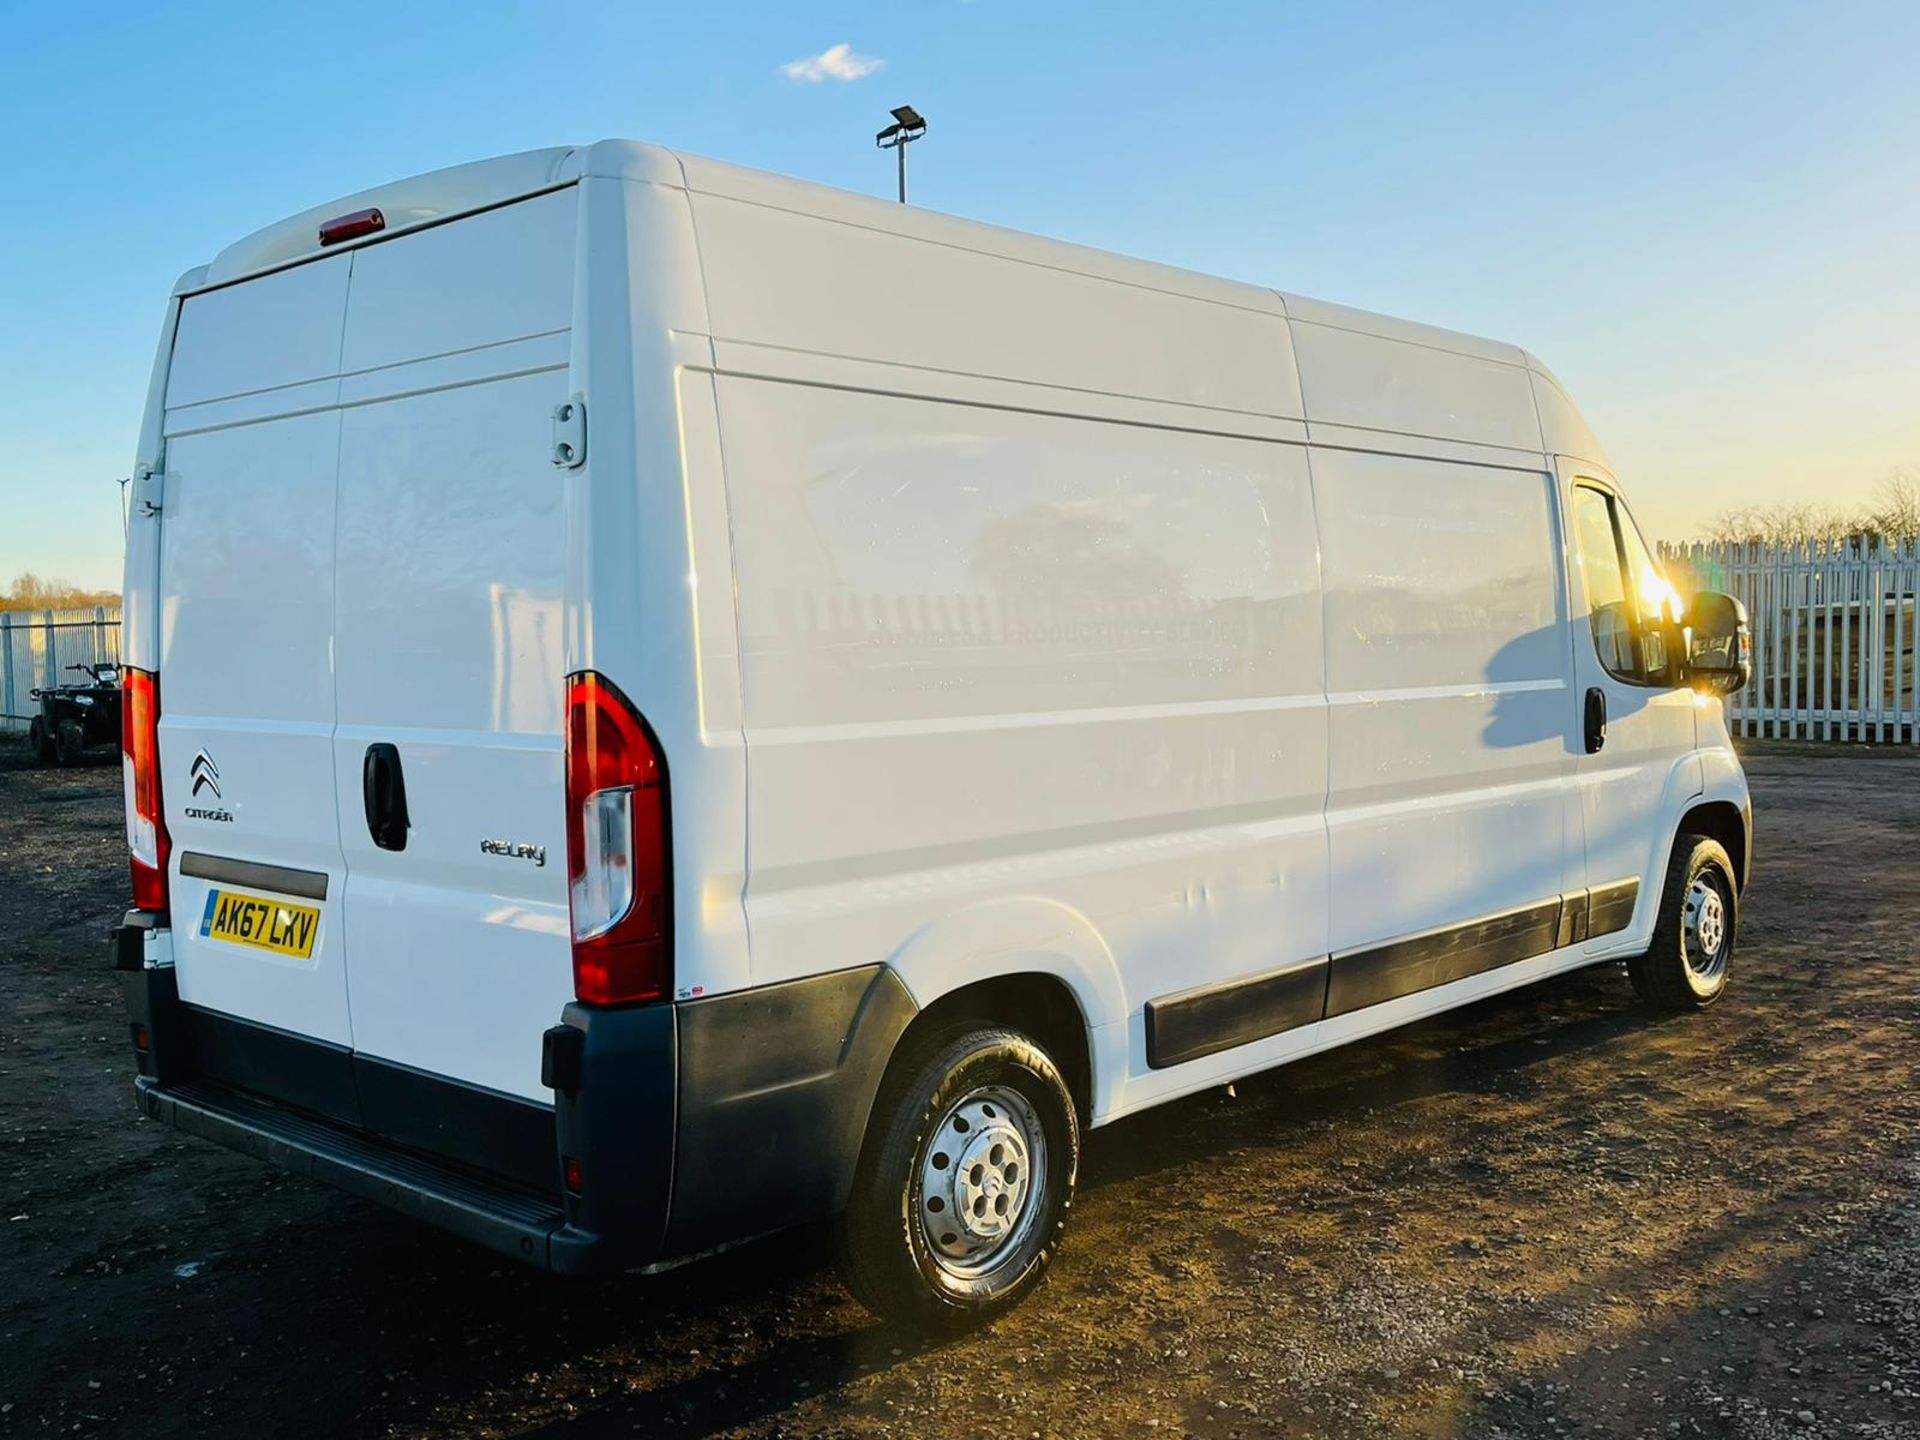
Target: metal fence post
point(52, 661)
point(6, 663)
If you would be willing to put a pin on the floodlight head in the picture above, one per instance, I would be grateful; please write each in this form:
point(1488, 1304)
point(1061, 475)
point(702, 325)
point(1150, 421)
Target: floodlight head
point(909, 117)
point(887, 134)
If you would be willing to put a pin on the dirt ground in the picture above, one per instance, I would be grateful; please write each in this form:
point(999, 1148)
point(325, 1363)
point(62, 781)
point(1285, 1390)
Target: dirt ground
point(1548, 1214)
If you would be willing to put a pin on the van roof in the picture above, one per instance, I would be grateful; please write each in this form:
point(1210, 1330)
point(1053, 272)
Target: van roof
point(482, 184)
point(420, 200)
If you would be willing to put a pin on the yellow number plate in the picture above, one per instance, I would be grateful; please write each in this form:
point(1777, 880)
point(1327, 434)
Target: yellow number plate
point(277, 925)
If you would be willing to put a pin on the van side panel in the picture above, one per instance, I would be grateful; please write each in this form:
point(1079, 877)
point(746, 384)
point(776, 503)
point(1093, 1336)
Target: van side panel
point(1372, 383)
point(993, 660)
point(804, 283)
point(1449, 707)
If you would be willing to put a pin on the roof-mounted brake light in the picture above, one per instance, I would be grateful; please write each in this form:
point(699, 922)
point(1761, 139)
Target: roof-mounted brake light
point(352, 227)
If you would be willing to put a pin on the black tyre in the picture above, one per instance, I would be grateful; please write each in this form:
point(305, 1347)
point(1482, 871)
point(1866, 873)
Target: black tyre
point(1685, 968)
point(70, 743)
point(39, 742)
point(964, 1182)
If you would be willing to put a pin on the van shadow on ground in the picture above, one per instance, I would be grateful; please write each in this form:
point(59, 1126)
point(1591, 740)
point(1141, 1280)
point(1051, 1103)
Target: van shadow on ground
point(715, 1346)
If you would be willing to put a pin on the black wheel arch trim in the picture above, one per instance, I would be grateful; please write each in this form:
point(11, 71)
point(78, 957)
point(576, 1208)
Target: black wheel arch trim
point(778, 1081)
point(1729, 823)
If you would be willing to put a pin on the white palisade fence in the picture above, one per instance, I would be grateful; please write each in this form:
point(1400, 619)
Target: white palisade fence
point(1833, 634)
point(36, 646)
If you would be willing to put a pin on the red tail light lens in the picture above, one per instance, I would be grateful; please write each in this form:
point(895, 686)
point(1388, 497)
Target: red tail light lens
point(352, 226)
point(147, 841)
point(618, 868)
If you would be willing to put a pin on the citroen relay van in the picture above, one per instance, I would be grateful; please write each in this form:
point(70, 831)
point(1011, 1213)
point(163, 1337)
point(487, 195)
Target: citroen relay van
point(668, 702)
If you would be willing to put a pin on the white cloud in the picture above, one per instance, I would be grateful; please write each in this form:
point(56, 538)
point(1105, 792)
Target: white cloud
point(836, 62)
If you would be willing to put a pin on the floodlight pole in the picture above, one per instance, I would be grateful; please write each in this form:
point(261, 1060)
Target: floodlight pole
point(908, 127)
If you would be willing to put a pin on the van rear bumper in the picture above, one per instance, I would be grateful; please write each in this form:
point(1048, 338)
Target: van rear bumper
point(689, 1125)
point(501, 1217)
point(482, 1166)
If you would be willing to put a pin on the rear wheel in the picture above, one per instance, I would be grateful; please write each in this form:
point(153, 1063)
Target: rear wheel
point(1685, 967)
point(70, 743)
point(39, 741)
point(964, 1182)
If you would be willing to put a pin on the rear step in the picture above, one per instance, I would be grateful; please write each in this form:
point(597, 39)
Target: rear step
point(502, 1217)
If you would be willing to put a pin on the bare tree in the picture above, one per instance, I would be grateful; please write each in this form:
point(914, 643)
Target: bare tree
point(38, 592)
point(1896, 510)
point(1779, 524)
point(1893, 515)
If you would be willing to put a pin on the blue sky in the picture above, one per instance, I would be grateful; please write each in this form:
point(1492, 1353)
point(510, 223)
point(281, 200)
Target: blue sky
point(1704, 217)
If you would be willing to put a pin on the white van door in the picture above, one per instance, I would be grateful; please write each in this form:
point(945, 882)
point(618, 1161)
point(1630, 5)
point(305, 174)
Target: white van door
point(1635, 727)
point(1448, 755)
point(449, 654)
point(245, 642)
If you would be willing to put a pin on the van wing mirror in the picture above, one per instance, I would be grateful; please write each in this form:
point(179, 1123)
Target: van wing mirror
point(1719, 644)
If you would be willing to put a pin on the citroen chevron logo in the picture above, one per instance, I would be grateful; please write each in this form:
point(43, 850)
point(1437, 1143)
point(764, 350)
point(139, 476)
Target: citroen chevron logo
point(206, 774)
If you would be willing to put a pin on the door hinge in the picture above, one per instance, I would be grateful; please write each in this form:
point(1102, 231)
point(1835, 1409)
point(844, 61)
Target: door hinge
point(149, 490)
point(570, 432)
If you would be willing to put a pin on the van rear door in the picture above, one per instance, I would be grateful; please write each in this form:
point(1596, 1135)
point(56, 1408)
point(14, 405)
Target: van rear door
point(246, 668)
point(361, 550)
point(449, 570)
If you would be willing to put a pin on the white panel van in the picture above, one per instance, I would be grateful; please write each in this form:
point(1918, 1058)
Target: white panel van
point(667, 702)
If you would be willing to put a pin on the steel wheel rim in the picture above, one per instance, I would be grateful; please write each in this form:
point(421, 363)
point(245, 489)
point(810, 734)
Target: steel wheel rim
point(982, 1171)
point(1707, 928)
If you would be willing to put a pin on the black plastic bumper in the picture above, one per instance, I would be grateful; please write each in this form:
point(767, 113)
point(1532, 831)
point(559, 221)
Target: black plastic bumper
point(501, 1217)
point(484, 1166)
point(687, 1125)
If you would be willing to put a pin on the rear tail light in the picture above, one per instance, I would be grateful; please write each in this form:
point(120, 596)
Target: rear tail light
point(618, 868)
point(147, 841)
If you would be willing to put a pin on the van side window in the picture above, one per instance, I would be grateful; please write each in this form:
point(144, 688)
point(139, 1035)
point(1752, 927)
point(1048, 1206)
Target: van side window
point(1628, 595)
point(1604, 568)
point(1654, 599)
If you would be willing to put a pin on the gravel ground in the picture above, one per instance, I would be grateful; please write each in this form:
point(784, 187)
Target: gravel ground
point(1547, 1214)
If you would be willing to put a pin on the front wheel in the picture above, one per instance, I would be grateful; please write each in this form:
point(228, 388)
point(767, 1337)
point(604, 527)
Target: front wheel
point(964, 1182)
point(1685, 967)
point(39, 741)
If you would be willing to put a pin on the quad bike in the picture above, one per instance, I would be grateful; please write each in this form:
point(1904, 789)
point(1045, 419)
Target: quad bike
point(75, 718)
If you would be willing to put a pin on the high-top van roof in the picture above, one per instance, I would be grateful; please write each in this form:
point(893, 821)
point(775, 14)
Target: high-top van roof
point(422, 200)
point(442, 195)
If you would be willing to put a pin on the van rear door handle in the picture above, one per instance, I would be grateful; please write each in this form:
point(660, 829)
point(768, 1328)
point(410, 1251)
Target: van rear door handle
point(1596, 719)
point(383, 786)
